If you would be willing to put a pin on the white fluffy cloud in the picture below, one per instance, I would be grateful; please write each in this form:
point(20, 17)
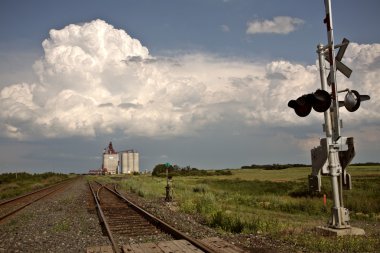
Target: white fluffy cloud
point(225, 28)
point(96, 79)
point(279, 25)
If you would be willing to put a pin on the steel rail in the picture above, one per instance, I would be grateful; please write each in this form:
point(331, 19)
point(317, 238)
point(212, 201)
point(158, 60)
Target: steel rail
point(161, 224)
point(31, 193)
point(61, 184)
point(103, 218)
point(97, 193)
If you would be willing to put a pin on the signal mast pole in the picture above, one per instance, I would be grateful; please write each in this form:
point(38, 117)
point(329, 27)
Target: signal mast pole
point(322, 73)
point(334, 93)
point(340, 215)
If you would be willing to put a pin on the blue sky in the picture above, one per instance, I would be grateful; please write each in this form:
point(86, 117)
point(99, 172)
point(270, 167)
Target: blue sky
point(207, 92)
point(193, 25)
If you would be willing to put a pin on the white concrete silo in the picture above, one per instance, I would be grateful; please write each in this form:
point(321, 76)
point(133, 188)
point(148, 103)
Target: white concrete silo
point(124, 164)
point(129, 162)
point(136, 163)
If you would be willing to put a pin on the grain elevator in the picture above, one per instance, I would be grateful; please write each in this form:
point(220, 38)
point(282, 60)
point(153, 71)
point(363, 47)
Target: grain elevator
point(123, 162)
point(110, 160)
point(129, 162)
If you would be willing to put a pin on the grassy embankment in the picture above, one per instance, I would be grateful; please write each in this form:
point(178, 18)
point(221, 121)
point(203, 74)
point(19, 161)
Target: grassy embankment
point(14, 184)
point(274, 203)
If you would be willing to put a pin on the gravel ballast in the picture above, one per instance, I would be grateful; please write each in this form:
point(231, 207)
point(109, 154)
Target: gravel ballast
point(193, 226)
point(66, 221)
point(63, 222)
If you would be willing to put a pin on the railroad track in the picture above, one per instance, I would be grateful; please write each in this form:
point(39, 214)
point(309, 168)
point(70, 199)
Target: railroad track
point(123, 220)
point(14, 205)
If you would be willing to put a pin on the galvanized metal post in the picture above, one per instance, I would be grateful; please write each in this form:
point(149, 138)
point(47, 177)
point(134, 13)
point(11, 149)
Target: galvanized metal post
point(334, 93)
point(322, 73)
point(340, 215)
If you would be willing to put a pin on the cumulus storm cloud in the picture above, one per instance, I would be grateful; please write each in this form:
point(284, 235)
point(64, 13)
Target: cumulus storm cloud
point(96, 79)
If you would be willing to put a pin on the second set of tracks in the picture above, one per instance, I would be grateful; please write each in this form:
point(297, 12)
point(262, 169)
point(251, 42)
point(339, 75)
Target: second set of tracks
point(123, 220)
point(14, 205)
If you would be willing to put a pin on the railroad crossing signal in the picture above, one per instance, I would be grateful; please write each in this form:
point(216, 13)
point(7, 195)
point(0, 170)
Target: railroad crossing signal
point(320, 101)
point(352, 100)
point(335, 152)
point(339, 65)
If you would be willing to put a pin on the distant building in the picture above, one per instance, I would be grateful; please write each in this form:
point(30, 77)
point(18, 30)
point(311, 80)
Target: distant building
point(110, 160)
point(95, 172)
point(129, 162)
point(124, 162)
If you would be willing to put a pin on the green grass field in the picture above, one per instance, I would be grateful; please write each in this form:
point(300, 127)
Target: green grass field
point(14, 184)
point(274, 203)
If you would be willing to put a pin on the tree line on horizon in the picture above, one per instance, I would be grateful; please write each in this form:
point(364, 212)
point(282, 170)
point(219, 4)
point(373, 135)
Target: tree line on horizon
point(276, 166)
point(14, 176)
point(175, 170)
